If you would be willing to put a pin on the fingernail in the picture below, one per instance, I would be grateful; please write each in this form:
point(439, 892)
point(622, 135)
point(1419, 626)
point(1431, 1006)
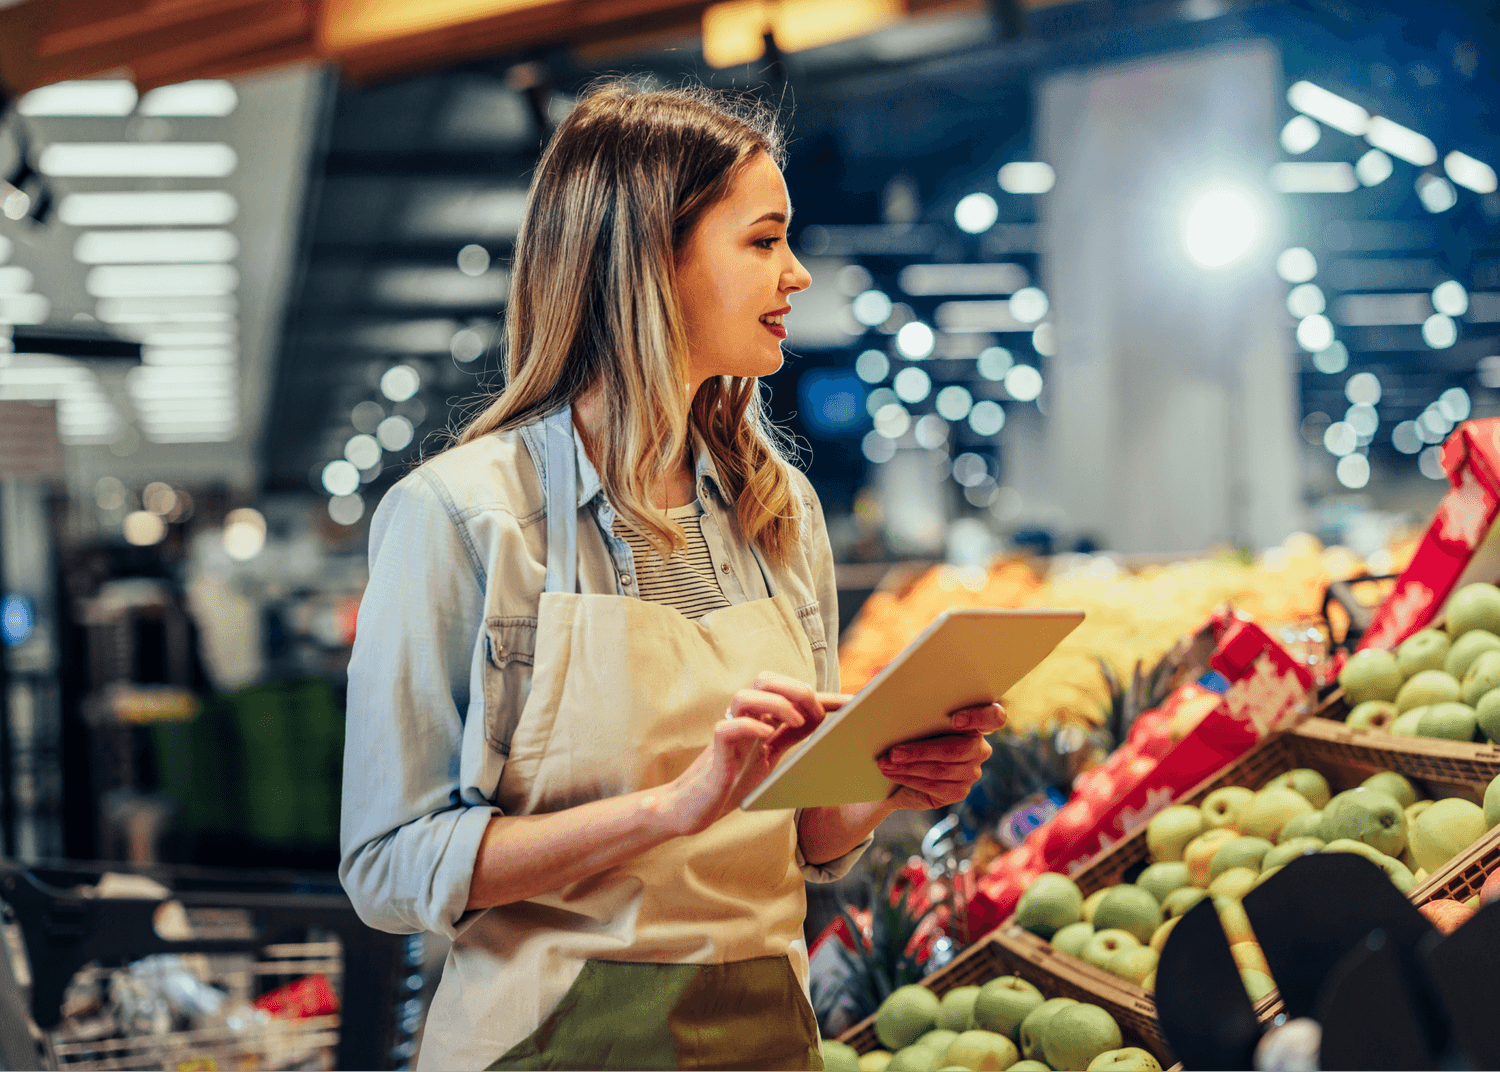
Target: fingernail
point(962, 721)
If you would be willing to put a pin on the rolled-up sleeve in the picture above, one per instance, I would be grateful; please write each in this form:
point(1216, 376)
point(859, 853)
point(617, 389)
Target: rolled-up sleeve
point(408, 839)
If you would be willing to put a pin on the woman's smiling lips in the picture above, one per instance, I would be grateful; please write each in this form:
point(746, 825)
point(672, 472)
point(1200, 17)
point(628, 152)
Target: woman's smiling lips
point(772, 321)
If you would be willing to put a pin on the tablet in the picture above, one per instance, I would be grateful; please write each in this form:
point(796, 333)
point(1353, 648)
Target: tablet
point(965, 658)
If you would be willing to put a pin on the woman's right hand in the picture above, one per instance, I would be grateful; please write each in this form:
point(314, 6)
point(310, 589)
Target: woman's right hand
point(765, 721)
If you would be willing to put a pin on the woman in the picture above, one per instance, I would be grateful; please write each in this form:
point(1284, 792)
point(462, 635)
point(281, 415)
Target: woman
point(598, 621)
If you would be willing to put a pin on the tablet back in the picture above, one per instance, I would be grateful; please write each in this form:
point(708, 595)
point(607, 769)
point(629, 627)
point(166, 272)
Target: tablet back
point(966, 657)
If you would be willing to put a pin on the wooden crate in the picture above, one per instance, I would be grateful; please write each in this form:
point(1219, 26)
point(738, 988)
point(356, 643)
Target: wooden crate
point(1345, 757)
point(1461, 877)
point(1012, 951)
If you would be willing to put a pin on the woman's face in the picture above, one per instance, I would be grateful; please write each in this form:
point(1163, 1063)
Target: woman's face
point(734, 275)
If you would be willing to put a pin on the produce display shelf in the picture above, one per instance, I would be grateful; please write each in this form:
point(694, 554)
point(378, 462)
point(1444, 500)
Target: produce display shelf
point(1463, 875)
point(1344, 756)
point(1012, 951)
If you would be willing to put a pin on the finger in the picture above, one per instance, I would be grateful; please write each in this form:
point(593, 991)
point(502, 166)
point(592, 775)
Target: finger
point(968, 773)
point(832, 701)
point(933, 787)
point(758, 704)
point(949, 748)
point(987, 718)
point(738, 735)
point(799, 693)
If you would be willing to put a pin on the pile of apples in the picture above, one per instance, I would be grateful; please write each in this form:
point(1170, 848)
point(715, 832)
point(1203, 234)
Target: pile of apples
point(1005, 1024)
point(1442, 683)
point(1233, 842)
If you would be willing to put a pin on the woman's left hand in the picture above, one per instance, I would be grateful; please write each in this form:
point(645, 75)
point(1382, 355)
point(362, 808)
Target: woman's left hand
point(936, 771)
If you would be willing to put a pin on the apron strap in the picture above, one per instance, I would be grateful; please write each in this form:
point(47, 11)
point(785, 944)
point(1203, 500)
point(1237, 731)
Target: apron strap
point(765, 571)
point(561, 479)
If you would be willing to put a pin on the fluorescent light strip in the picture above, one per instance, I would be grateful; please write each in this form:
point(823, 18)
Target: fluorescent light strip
point(162, 281)
point(161, 357)
point(24, 309)
point(924, 279)
point(1308, 177)
point(138, 160)
point(1401, 141)
point(14, 280)
point(148, 208)
point(186, 374)
point(168, 339)
point(103, 96)
point(1327, 107)
point(155, 247)
point(1462, 168)
point(5, 247)
point(203, 96)
point(210, 435)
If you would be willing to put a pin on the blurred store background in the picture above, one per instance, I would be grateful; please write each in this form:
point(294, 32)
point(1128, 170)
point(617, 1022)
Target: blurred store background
point(1137, 305)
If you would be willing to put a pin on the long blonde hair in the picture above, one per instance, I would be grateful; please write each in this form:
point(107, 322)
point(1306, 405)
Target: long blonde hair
point(594, 302)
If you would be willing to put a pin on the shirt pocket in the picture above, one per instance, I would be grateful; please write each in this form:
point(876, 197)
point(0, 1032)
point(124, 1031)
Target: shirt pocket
point(810, 616)
point(510, 650)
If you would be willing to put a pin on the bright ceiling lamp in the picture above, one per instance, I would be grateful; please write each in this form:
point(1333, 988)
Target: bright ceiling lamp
point(155, 247)
point(1401, 141)
point(1329, 108)
point(178, 357)
point(734, 31)
point(161, 280)
point(1472, 174)
point(148, 208)
point(1223, 224)
point(14, 280)
point(1027, 177)
point(203, 96)
point(104, 96)
point(164, 311)
point(24, 308)
point(1299, 135)
point(1313, 177)
point(1373, 168)
point(138, 160)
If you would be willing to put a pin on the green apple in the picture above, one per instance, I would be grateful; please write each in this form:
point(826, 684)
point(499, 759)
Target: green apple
point(1170, 829)
point(1270, 810)
point(907, 1014)
point(1426, 649)
point(1201, 850)
point(1234, 920)
point(1052, 902)
point(1179, 901)
point(1474, 606)
point(1466, 650)
point(1306, 781)
point(1492, 803)
point(1030, 1066)
point(1487, 714)
point(1159, 939)
point(839, 1057)
point(1105, 944)
point(914, 1058)
point(1445, 830)
point(1395, 784)
point(1289, 850)
point(1429, 687)
point(1003, 1003)
point(1078, 1034)
point(1372, 674)
point(1236, 882)
point(956, 1010)
point(1125, 1059)
point(1448, 721)
point(1407, 722)
point(1399, 874)
point(1257, 983)
point(1128, 908)
point(982, 1051)
point(1415, 808)
point(1268, 872)
point(875, 1061)
point(1241, 852)
point(1304, 825)
point(1034, 1027)
point(1132, 965)
point(1483, 676)
point(1222, 807)
point(1372, 715)
point(937, 1040)
point(1091, 902)
point(1072, 938)
point(1364, 814)
point(1161, 879)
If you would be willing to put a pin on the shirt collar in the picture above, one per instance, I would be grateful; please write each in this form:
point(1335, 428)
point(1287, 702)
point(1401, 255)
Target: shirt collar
point(705, 472)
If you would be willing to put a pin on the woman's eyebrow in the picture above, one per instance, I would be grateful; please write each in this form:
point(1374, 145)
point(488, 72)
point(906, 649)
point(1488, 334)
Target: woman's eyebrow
point(779, 217)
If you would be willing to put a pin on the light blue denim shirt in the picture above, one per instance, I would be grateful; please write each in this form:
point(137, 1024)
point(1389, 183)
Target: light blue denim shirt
point(442, 657)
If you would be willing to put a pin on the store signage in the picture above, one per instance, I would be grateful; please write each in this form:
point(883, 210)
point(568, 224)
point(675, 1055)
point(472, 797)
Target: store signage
point(29, 444)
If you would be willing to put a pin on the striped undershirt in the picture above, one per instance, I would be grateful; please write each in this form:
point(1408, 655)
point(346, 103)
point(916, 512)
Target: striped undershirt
point(686, 582)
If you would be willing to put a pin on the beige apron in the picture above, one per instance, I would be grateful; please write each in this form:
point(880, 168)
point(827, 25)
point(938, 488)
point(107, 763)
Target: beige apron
point(689, 955)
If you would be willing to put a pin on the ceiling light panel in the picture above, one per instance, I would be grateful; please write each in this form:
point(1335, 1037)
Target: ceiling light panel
point(203, 96)
point(450, 211)
point(1310, 177)
point(141, 160)
point(14, 280)
point(155, 247)
point(1374, 310)
point(924, 279)
point(970, 316)
point(24, 309)
point(148, 208)
point(1401, 141)
point(104, 96)
point(178, 357)
point(441, 286)
point(165, 281)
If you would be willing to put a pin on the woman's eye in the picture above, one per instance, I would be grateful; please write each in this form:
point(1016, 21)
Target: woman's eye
point(767, 243)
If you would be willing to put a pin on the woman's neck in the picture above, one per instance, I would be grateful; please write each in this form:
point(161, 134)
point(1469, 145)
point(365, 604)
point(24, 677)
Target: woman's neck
point(589, 420)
